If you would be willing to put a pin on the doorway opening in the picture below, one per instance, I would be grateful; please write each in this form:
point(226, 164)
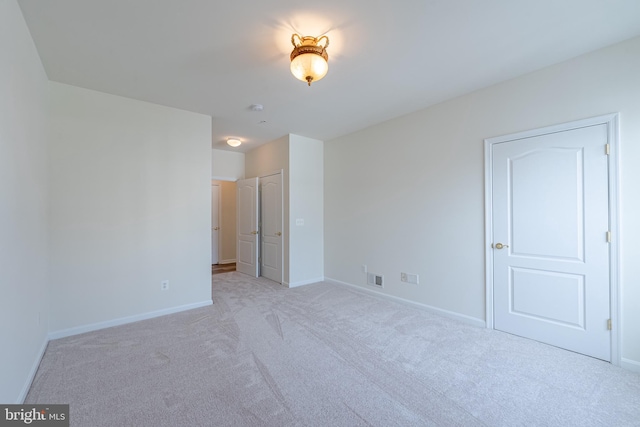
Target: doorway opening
point(223, 226)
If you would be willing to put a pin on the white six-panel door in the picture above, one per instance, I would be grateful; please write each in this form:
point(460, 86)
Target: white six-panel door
point(271, 234)
point(550, 250)
point(247, 246)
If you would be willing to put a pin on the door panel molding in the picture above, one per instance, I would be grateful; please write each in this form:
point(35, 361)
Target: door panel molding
point(612, 125)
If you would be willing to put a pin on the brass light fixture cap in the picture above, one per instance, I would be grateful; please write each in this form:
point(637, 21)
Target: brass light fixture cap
point(308, 44)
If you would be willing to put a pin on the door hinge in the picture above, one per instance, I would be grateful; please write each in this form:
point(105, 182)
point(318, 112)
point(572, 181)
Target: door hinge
point(607, 149)
point(608, 237)
point(609, 325)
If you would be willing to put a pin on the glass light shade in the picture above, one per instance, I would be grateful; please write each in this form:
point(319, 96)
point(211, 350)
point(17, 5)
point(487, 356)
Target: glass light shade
point(309, 65)
point(234, 142)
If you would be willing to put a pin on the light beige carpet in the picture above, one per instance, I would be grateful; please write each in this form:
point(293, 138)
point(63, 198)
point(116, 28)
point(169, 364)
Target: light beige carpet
point(324, 355)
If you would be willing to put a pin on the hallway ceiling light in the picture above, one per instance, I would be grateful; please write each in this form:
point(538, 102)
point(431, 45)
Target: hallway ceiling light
point(309, 58)
point(234, 142)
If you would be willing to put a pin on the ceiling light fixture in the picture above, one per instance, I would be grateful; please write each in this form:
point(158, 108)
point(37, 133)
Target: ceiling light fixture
point(309, 58)
point(234, 142)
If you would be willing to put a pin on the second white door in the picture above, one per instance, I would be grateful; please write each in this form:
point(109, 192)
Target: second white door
point(271, 233)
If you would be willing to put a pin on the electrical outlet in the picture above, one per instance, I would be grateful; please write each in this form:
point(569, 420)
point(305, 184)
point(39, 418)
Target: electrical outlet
point(364, 268)
point(409, 278)
point(164, 285)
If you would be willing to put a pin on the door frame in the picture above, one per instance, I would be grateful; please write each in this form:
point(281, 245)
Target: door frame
point(214, 183)
point(613, 134)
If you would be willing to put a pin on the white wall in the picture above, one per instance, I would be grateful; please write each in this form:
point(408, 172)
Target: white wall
point(130, 207)
point(24, 291)
point(407, 195)
point(227, 165)
point(306, 198)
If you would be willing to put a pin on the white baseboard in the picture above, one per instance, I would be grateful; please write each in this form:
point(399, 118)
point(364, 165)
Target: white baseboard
point(227, 261)
point(32, 373)
point(124, 320)
point(630, 365)
point(446, 313)
point(303, 282)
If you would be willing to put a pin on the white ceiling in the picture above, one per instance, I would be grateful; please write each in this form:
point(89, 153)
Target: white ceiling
point(386, 58)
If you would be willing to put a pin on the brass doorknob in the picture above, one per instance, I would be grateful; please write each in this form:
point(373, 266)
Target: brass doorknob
point(216, 228)
point(500, 246)
point(278, 234)
point(254, 232)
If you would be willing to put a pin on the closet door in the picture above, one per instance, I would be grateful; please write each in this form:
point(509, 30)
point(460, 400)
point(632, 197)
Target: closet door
point(271, 234)
point(550, 248)
point(247, 248)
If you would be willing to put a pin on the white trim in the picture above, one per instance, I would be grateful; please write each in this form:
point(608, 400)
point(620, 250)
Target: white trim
point(219, 204)
point(612, 122)
point(285, 230)
point(303, 282)
point(613, 130)
point(224, 178)
point(227, 261)
point(488, 233)
point(32, 372)
point(266, 174)
point(473, 321)
point(630, 365)
point(124, 320)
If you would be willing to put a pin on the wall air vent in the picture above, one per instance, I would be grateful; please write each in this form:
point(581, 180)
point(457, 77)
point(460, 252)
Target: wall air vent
point(375, 279)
